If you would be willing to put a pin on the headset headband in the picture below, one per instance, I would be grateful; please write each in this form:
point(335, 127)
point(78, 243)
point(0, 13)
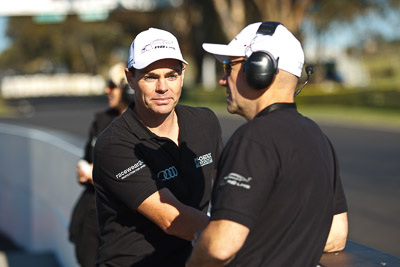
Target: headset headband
point(268, 27)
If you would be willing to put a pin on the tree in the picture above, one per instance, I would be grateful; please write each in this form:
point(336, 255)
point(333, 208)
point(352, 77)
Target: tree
point(235, 14)
point(72, 46)
point(195, 23)
point(232, 13)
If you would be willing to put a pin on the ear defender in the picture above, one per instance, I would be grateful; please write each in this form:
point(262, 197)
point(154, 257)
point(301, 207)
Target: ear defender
point(261, 66)
point(127, 93)
point(260, 69)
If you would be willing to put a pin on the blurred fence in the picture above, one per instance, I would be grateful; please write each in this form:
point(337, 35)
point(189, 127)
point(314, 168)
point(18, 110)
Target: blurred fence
point(44, 85)
point(38, 189)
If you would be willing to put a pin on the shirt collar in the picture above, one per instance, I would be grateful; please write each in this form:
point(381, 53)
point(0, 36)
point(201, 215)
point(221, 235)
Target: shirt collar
point(136, 125)
point(276, 106)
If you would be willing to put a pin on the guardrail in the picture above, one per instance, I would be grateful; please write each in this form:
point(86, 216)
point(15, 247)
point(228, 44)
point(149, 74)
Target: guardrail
point(38, 189)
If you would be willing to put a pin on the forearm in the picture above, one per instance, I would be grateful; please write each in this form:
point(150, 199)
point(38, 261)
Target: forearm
point(202, 257)
point(218, 244)
point(172, 216)
point(188, 222)
point(337, 238)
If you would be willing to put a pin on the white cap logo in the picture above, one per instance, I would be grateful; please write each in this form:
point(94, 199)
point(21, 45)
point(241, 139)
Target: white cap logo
point(152, 45)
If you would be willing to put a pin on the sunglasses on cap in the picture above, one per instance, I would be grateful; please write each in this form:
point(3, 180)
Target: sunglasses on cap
point(227, 65)
point(111, 84)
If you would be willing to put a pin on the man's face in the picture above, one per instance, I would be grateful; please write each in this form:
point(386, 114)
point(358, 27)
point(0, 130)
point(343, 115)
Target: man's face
point(158, 87)
point(236, 86)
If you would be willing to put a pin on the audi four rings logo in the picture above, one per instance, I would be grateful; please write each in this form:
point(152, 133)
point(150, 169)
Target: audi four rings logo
point(167, 174)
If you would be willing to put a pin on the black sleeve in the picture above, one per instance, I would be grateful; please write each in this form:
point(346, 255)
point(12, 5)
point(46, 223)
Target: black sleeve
point(101, 121)
point(340, 198)
point(118, 172)
point(89, 147)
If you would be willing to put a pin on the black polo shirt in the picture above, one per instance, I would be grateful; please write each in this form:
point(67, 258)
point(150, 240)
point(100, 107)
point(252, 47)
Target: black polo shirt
point(131, 163)
point(279, 176)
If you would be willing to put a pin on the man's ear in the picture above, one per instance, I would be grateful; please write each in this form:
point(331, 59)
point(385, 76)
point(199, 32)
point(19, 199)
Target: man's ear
point(129, 78)
point(183, 74)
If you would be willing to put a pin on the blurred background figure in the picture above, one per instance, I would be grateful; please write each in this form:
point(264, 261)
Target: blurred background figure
point(83, 231)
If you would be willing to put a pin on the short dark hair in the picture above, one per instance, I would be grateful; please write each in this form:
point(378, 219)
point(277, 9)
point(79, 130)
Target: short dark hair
point(132, 71)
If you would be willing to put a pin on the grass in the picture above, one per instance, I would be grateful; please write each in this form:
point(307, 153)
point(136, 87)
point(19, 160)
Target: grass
point(357, 116)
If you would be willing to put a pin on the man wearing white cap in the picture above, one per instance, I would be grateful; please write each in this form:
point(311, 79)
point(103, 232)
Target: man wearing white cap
point(154, 165)
point(278, 189)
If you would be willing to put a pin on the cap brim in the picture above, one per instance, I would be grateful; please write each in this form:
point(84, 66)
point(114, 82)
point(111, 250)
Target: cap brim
point(223, 52)
point(144, 64)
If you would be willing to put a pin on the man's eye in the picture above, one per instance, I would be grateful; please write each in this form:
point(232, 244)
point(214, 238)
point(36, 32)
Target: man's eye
point(149, 78)
point(172, 76)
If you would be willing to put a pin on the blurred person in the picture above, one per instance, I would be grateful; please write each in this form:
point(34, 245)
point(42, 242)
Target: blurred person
point(84, 230)
point(277, 199)
point(154, 165)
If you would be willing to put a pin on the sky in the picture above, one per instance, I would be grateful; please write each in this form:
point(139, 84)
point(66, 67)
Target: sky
point(4, 43)
point(342, 36)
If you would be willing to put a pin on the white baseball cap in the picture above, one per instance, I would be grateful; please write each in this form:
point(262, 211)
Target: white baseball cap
point(281, 44)
point(152, 45)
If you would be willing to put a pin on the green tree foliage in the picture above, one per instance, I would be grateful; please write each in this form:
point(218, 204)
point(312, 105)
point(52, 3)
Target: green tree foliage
point(71, 46)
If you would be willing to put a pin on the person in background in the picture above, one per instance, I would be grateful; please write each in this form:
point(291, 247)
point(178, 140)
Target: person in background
point(278, 198)
point(154, 165)
point(84, 230)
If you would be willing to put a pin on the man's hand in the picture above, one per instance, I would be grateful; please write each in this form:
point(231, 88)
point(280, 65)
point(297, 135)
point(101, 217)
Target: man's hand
point(338, 234)
point(84, 172)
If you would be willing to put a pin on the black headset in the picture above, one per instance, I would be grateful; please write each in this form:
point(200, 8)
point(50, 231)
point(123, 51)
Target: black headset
point(261, 66)
point(128, 95)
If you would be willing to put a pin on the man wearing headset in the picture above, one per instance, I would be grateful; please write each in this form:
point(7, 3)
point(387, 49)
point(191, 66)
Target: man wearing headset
point(277, 199)
point(84, 230)
point(154, 165)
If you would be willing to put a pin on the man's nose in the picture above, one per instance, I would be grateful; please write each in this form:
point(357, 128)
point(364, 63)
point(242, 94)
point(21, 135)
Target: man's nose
point(162, 85)
point(223, 81)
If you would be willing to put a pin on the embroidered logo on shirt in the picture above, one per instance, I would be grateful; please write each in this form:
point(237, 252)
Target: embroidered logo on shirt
point(237, 180)
point(167, 174)
point(203, 160)
point(131, 170)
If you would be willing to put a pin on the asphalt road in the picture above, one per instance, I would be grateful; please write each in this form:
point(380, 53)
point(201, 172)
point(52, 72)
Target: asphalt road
point(369, 158)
